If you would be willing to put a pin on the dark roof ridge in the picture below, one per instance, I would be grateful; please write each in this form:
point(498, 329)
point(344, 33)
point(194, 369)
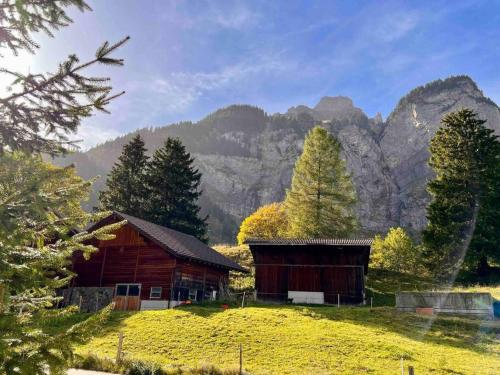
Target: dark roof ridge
point(311, 241)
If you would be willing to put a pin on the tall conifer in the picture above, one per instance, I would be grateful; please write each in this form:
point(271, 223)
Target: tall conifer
point(40, 204)
point(464, 215)
point(125, 187)
point(320, 200)
point(173, 184)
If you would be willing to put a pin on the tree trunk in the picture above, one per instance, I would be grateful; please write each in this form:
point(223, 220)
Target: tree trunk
point(483, 268)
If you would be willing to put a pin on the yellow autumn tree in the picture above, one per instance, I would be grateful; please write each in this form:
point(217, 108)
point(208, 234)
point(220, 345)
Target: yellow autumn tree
point(269, 221)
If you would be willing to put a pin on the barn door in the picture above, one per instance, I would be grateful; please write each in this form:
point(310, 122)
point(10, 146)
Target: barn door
point(127, 297)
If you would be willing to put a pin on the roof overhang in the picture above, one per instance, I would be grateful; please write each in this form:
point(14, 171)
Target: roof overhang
point(310, 241)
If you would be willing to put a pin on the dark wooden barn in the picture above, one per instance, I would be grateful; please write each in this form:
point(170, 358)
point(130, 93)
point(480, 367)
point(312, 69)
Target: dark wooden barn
point(311, 271)
point(150, 266)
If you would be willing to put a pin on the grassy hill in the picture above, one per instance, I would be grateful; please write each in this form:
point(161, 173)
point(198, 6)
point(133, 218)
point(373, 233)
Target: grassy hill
point(304, 340)
point(284, 339)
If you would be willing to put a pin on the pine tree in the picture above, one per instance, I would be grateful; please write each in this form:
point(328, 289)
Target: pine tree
point(41, 110)
point(40, 205)
point(320, 200)
point(173, 190)
point(125, 187)
point(464, 215)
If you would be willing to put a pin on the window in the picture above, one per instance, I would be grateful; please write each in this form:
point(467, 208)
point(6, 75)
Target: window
point(131, 290)
point(192, 294)
point(121, 290)
point(155, 292)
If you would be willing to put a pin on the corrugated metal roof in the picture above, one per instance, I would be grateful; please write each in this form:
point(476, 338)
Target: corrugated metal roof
point(178, 243)
point(312, 241)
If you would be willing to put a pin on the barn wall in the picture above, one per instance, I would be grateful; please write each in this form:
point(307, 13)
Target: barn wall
point(196, 276)
point(333, 271)
point(131, 258)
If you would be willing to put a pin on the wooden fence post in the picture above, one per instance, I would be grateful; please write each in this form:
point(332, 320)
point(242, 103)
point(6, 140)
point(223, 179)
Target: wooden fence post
point(243, 300)
point(371, 303)
point(338, 299)
point(80, 304)
point(119, 349)
point(241, 359)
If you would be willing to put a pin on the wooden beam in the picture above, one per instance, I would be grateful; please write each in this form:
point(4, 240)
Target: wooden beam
point(102, 266)
point(136, 264)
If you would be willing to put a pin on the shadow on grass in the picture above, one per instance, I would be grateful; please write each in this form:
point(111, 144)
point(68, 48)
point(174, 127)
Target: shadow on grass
point(459, 332)
point(111, 324)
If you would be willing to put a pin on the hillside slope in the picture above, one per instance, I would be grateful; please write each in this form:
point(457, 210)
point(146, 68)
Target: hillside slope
point(247, 156)
point(300, 340)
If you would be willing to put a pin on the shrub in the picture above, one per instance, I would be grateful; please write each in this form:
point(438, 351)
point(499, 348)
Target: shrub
point(143, 368)
point(92, 362)
point(396, 252)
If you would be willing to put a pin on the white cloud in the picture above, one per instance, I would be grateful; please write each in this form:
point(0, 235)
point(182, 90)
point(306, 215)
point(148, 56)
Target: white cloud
point(394, 27)
point(238, 17)
point(93, 132)
point(180, 90)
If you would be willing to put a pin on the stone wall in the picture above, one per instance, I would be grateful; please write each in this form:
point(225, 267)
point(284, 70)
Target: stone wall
point(91, 298)
point(446, 302)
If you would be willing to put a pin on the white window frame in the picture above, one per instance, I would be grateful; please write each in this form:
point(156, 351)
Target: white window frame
point(151, 292)
point(128, 288)
point(195, 295)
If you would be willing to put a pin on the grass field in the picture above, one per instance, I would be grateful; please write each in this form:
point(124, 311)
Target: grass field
point(304, 340)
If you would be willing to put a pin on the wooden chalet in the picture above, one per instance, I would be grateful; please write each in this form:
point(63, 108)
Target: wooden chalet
point(149, 266)
point(311, 271)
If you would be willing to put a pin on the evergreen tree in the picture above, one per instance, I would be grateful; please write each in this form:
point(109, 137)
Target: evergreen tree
point(40, 205)
point(41, 110)
point(125, 187)
point(464, 215)
point(173, 190)
point(320, 200)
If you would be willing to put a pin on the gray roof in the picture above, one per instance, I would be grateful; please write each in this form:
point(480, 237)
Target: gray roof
point(179, 244)
point(312, 241)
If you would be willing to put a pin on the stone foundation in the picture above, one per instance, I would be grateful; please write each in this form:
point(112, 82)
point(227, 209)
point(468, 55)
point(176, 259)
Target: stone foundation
point(89, 299)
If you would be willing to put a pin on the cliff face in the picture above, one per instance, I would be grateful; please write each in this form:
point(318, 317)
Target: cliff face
point(247, 156)
point(409, 129)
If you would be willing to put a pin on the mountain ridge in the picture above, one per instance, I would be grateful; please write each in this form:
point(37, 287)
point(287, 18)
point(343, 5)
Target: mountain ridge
point(246, 155)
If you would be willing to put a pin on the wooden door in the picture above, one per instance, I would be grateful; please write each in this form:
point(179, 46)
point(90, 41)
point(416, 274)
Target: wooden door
point(127, 297)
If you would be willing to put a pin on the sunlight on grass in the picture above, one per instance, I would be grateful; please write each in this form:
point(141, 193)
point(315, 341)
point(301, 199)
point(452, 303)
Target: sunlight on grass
point(291, 340)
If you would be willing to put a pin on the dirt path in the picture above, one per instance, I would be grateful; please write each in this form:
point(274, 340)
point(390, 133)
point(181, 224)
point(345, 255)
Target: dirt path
point(87, 372)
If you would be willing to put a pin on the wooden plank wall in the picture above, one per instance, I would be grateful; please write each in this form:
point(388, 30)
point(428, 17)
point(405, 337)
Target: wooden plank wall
point(310, 268)
point(131, 258)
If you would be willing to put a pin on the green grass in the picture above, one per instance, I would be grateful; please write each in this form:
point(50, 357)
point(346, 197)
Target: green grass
point(304, 340)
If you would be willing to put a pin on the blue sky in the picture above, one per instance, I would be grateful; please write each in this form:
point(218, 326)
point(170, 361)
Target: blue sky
point(188, 58)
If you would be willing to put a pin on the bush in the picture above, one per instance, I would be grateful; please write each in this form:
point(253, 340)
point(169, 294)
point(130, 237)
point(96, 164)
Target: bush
point(396, 252)
point(143, 368)
point(238, 281)
point(92, 362)
point(135, 367)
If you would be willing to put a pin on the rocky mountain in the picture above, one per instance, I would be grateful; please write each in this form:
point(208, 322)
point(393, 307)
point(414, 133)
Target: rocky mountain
point(247, 156)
